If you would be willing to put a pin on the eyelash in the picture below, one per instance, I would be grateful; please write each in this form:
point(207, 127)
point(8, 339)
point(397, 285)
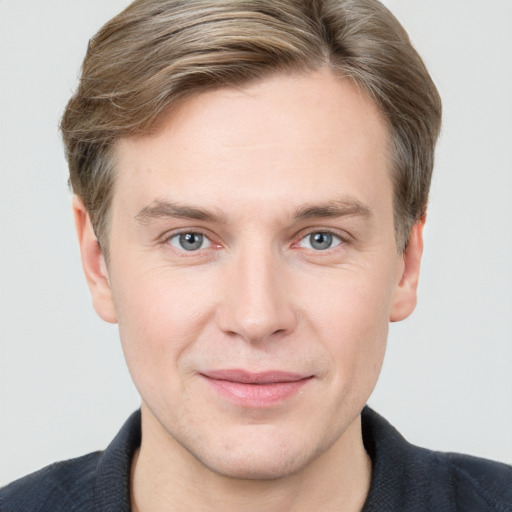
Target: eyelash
point(168, 241)
point(336, 238)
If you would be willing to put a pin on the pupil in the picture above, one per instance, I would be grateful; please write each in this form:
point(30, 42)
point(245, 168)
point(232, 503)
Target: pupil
point(321, 241)
point(191, 241)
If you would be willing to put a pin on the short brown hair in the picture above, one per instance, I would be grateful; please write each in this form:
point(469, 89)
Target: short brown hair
point(157, 52)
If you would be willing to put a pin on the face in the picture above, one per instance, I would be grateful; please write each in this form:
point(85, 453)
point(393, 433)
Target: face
point(253, 270)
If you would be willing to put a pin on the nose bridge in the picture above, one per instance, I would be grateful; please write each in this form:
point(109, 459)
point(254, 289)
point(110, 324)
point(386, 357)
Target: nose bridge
point(256, 303)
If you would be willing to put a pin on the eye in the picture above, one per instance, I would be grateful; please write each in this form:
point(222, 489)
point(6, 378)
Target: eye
point(189, 241)
point(320, 241)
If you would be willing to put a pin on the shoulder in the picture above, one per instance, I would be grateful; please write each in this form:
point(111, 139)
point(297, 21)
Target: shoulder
point(481, 480)
point(98, 481)
point(63, 486)
point(407, 477)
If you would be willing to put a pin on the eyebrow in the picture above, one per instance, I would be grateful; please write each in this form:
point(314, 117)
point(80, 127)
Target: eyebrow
point(162, 209)
point(346, 207)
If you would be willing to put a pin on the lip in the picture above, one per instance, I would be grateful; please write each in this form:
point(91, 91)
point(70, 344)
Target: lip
point(255, 389)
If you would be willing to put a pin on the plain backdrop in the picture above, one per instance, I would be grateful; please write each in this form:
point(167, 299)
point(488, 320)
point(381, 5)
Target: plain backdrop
point(447, 379)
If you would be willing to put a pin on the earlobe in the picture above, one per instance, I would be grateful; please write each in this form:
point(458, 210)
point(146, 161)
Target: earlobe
point(405, 297)
point(93, 263)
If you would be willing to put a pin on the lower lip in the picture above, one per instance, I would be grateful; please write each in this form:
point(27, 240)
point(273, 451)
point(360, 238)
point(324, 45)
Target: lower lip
point(257, 395)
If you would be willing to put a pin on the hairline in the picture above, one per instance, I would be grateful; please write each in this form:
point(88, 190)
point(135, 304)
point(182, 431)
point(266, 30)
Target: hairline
point(401, 227)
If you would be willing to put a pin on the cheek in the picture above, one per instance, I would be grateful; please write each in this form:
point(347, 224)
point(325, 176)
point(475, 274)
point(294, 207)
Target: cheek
point(160, 317)
point(351, 318)
point(355, 300)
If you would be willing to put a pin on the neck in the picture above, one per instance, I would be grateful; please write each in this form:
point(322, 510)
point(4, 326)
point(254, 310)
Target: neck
point(172, 479)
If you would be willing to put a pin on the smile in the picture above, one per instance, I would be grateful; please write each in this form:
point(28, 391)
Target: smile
point(248, 389)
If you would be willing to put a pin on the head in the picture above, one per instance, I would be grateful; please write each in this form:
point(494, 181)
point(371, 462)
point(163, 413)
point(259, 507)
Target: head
point(158, 53)
point(257, 175)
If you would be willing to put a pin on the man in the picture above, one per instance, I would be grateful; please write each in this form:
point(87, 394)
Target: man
point(251, 182)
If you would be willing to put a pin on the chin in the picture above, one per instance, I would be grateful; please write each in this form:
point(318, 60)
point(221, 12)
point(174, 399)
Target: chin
point(270, 455)
point(260, 466)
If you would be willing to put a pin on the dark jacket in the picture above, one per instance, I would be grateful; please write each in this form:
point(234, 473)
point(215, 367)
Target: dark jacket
point(405, 478)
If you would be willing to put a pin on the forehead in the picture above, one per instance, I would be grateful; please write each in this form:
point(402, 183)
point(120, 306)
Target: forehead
point(274, 139)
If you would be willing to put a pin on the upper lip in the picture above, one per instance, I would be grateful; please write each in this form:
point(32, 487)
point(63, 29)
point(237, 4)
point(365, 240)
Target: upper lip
point(247, 377)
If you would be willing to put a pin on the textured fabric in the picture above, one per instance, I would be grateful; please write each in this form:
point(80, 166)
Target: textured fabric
point(405, 478)
point(98, 482)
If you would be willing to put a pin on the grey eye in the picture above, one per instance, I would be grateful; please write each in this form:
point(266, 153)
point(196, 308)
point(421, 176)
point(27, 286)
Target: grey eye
point(320, 241)
point(189, 241)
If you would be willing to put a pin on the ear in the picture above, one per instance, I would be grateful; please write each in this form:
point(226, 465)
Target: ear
point(93, 263)
point(405, 297)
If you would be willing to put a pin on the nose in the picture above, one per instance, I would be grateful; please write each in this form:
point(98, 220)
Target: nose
point(256, 305)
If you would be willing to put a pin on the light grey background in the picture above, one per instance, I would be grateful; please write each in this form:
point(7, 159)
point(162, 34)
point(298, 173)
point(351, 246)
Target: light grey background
point(447, 379)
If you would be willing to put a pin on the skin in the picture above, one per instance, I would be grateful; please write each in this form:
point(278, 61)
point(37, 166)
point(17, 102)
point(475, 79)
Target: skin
point(267, 165)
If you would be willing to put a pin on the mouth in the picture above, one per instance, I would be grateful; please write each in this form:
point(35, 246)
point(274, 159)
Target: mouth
point(255, 389)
